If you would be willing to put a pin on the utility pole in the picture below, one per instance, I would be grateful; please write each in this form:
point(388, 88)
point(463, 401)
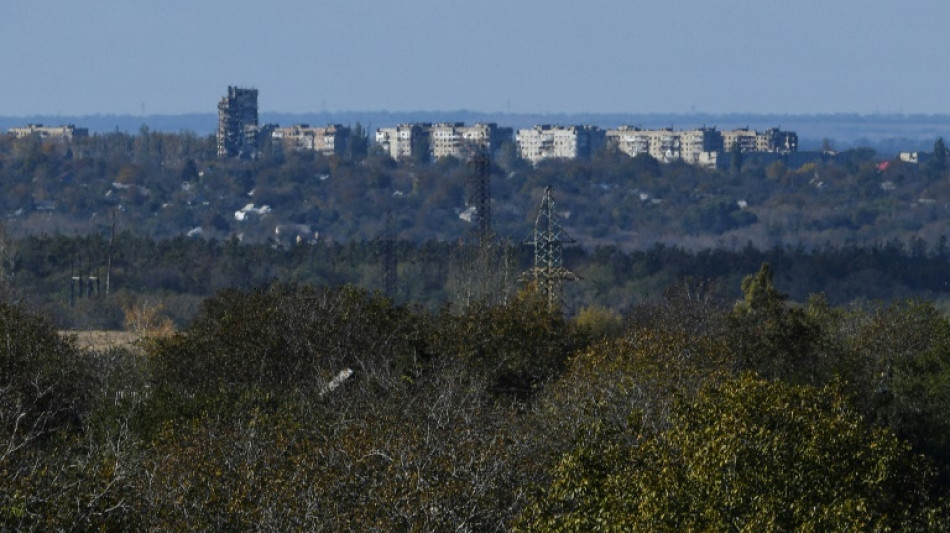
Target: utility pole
point(548, 272)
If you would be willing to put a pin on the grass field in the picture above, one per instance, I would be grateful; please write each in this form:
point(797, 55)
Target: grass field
point(103, 340)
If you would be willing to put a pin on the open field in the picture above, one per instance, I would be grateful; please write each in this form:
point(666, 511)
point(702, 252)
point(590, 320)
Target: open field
point(103, 340)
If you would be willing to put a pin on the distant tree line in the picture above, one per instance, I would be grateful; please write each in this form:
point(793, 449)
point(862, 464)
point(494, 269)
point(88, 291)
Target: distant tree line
point(181, 272)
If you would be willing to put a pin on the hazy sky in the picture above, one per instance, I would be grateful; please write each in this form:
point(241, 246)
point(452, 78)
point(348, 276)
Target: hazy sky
point(177, 56)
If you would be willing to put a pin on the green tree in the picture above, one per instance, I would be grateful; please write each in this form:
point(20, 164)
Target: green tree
point(779, 340)
point(735, 159)
point(746, 455)
point(357, 145)
point(514, 348)
point(189, 172)
point(938, 163)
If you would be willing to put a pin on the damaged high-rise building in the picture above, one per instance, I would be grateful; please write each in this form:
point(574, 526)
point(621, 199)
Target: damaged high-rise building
point(237, 123)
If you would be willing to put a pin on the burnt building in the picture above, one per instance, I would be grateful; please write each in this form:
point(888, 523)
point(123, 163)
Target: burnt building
point(237, 123)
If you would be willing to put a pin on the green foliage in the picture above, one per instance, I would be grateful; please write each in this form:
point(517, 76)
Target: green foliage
point(715, 216)
point(285, 339)
point(515, 347)
point(937, 166)
point(746, 455)
point(900, 373)
point(598, 322)
point(44, 379)
point(357, 145)
point(778, 340)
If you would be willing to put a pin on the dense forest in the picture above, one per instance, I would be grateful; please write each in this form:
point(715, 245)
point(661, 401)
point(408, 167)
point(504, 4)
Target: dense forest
point(758, 349)
point(290, 407)
point(176, 275)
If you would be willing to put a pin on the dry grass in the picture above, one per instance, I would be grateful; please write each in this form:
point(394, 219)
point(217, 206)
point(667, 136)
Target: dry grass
point(103, 340)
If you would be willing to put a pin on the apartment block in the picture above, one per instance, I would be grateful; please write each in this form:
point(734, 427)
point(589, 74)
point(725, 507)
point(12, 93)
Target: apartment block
point(776, 140)
point(68, 132)
point(458, 140)
point(771, 140)
point(399, 141)
point(328, 140)
point(667, 144)
point(568, 142)
point(237, 123)
point(443, 139)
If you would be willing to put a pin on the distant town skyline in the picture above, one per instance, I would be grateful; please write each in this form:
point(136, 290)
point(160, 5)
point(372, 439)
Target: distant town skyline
point(532, 56)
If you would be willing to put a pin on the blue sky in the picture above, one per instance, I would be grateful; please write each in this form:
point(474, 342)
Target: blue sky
point(534, 56)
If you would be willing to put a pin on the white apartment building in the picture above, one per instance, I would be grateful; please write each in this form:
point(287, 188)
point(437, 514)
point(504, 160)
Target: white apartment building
point(568, 142)
point(667, 144)
point(398, 141)
point(444, 139)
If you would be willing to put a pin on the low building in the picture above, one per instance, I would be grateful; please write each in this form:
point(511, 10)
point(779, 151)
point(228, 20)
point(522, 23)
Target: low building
point(914, 158)
point(67, 132)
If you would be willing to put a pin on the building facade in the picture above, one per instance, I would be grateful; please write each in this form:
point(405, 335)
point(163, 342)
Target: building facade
point(568, 142)
point(400, 141)
point(771, 140)
point(327, 140)
point(444, 139)
point(666, 144)
point(68, 132)
point(237, 123)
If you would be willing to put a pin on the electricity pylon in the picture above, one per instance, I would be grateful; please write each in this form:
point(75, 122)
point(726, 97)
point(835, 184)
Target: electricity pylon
point(388, 257)
point(479, 182)
point(548, 272)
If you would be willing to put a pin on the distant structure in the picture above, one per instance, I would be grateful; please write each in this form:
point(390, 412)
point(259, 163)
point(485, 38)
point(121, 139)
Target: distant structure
point(567, 142)
point(698, 146)
point(237, 123)
point(328, 140)
point(701, 146)
point(914, 158)
point(444, 139)
point(771, 140)
point(400, 141)
point(548, 238)
point(67, 133)
point(479, 183)
point(388, 259)
point(455, 139)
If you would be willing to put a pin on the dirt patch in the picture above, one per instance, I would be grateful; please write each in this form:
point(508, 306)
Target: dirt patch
point(103, 340)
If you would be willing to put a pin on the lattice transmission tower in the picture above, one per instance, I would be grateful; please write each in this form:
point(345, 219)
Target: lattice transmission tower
point(479, 184)
point(388, 259)
point(548, 272)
